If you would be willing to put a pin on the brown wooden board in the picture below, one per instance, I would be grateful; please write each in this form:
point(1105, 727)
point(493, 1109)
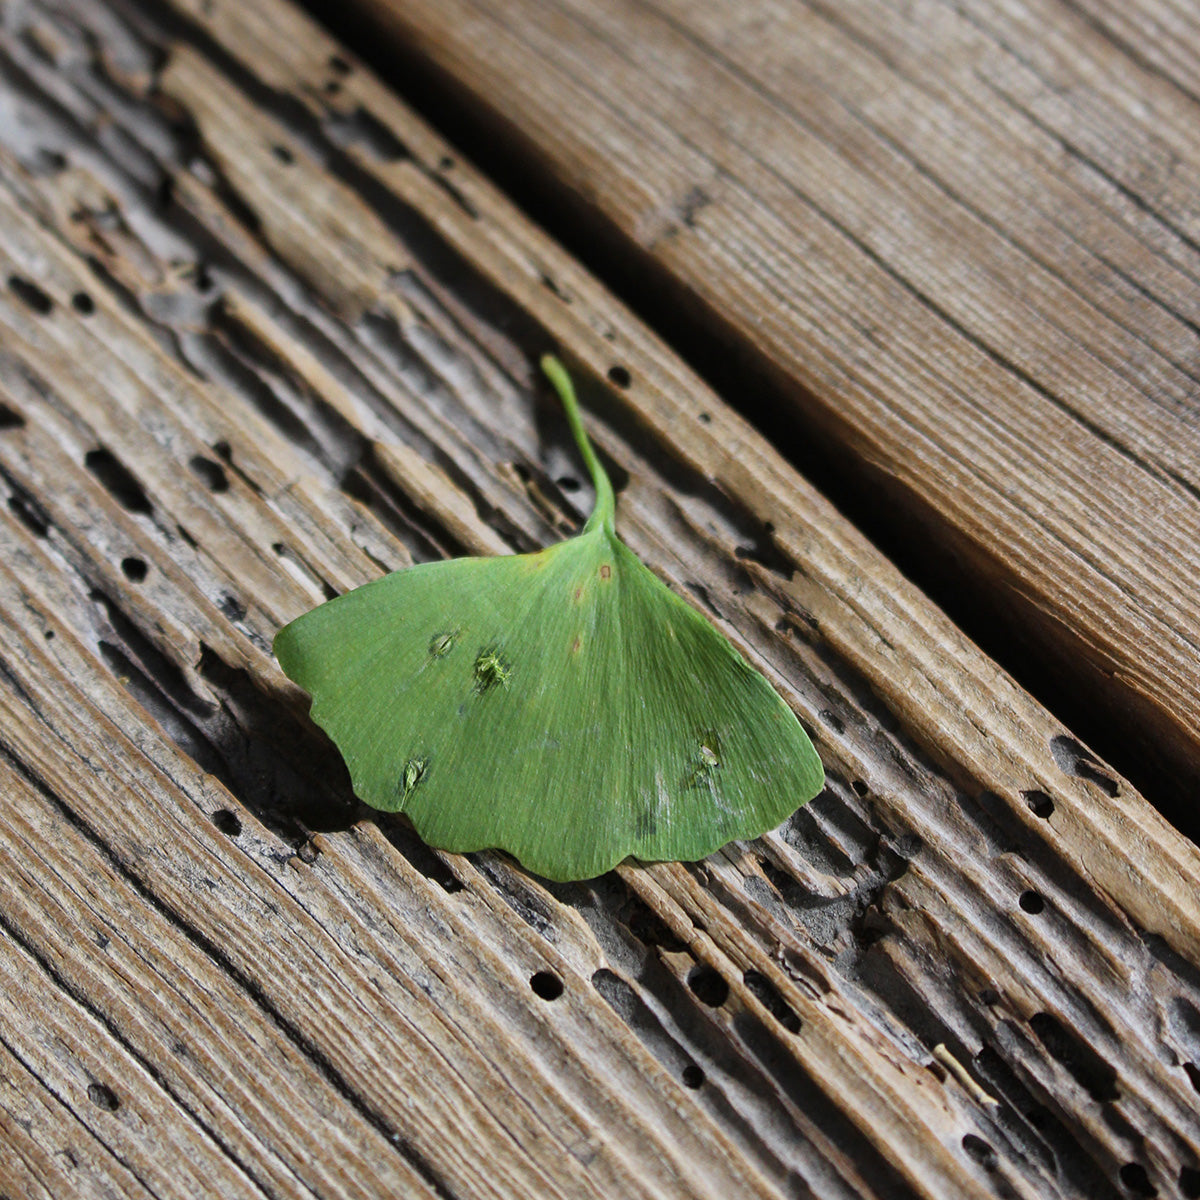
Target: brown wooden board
point(262, 336)
point(958, 242)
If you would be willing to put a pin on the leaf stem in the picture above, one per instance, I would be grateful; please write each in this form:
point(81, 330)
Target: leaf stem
point(603, 513)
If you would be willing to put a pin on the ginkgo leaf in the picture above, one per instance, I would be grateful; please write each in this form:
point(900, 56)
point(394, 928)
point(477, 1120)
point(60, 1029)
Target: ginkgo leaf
point(565, 706)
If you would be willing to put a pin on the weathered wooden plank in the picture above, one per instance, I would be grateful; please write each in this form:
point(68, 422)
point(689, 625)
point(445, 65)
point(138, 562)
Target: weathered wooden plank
point(963, 241)
point(216, 1055)
point(76, 1060)
point(763, 1024)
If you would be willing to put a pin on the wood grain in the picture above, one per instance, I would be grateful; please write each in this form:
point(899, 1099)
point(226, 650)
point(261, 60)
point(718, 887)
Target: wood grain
point(962, 242)
point(261, 339)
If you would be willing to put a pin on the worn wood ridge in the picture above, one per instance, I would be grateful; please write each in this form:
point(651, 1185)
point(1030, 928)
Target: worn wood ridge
point(960, 237)
point(263, 336)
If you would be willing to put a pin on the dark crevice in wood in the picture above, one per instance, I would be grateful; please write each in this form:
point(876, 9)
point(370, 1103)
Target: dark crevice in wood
point(1095, 1075)
point(1037, 1134)
point(1005, 626)
point(25, 507)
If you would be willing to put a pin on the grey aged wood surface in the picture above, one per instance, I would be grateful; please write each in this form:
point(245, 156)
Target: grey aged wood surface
point(961, 238)
point(262, 336)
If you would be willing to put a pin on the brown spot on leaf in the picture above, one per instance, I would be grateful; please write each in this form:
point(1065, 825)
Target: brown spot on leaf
point(578, 593)
point(605, 570)
point(575, 646)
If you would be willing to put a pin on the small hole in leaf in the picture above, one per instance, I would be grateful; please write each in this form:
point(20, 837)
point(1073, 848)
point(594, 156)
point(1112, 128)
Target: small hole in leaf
point(708, 986)
point(284, 155)
point(705, 419)
point(547, 985)
point(49, 635)
point(135, 569)
point(332, 87)
point(102, 1096)
point(693, 1076)
point(620, 376)
point(1189, 1183)
point(1031, 902)
point(10, 418)
point(30, 294)
point(1134, 1177)
point(223, 450)
point(977, 1148)
point(117, 480)
point(213, 474)
point(227, 822)
point(568, 483)
point(860, 787)
point(338, 65)
point(1193, 1073)
point(1039, 803)
point(83, 304)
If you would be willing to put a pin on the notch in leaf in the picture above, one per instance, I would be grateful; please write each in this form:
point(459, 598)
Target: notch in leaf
point(564, 706)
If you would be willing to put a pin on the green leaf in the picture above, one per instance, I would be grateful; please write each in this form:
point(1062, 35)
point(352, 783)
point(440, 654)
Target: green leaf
point(564, 706)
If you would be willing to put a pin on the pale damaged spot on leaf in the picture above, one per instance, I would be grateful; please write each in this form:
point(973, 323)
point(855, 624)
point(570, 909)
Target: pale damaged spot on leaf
point(490, 671)
point(441, 644)
point(414, 772)
point(708, 759)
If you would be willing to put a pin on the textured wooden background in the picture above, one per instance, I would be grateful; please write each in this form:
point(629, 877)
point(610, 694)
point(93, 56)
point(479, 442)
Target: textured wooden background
point(263, 335)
